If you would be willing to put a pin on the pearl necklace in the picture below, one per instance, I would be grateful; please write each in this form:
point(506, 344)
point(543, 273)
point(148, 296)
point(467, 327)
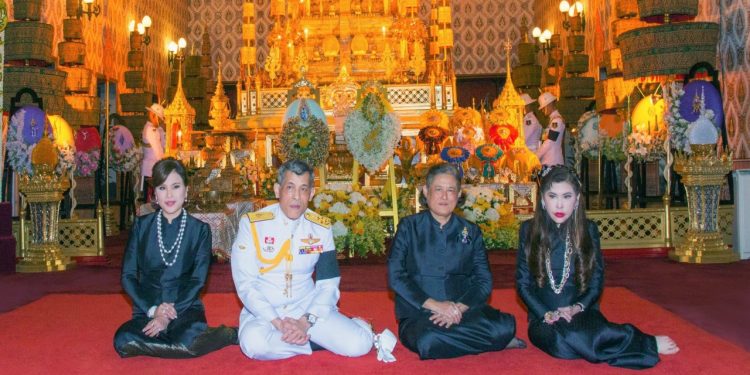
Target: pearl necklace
point(566, 267)
point(176, 245)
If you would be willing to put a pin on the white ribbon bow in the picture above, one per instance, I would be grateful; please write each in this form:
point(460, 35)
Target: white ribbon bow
point(384, 343)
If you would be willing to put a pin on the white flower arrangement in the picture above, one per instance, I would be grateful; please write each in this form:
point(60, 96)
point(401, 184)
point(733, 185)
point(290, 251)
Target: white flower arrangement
point(339, 229)
point(481, 202)
point(488, 208)
point(340, 208)
point(66, 159)
point(372, 144)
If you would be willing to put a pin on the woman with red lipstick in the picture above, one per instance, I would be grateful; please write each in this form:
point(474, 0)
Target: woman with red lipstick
point(163, 271)
point(560, 277)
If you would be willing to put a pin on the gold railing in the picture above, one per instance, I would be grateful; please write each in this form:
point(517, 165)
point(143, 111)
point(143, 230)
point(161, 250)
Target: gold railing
point(646, 228)
point(78, 237)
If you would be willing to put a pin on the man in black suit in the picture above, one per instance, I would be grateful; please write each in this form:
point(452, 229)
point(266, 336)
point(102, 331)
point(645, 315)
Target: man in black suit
point(439, 271)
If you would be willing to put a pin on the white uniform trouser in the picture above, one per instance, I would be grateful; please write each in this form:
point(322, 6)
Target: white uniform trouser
point(338, 334)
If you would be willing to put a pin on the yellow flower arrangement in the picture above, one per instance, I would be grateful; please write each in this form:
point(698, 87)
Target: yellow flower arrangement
point(489, 209)
point(354, 212)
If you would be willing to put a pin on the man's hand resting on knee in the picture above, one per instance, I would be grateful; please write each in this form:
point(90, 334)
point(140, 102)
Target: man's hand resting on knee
point(293, 331)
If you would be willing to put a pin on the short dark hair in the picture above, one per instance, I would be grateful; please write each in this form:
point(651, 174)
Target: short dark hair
point(297, 167)
point(164, 167)
point(443, 168)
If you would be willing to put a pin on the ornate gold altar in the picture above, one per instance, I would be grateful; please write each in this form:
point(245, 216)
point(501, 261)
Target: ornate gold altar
point(703, 174)
point(43, 192)
point(358, 40)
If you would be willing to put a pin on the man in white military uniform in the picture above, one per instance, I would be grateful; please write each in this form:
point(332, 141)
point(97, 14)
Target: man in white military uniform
point(532, 129)
point(286, 312)
point(550, 153)
point(154, 141)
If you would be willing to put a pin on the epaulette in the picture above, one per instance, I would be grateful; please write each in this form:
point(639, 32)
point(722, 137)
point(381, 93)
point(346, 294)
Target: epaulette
point(259, 216)
point(318, 219)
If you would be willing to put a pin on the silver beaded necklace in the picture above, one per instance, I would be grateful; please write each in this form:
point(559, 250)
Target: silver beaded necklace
point(566, 267)
point(176, 245)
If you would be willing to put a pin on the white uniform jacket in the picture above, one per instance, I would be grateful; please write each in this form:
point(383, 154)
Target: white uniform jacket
point(261, 285)
point(550, 153)
point(154, 141)
point(532, 131)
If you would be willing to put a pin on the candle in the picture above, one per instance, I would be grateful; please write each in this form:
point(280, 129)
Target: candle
point(402, 49)
point(269, 162)
point(385, 7)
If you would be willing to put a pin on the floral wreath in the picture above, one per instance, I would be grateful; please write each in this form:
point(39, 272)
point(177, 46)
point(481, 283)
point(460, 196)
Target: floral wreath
point(22, 140)
point(587, 146)
point(488, 153)
point(88, 152)
point(371, 131)
point(465, 117)
point(434, 117)
point(455, 155)
point(432, 136)
point(124, 155)
point(503, 135)
point(305, 138)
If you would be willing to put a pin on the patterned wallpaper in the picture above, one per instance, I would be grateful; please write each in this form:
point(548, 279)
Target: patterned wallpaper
point(733, 62)
point(480, 28)
point(107, 37)
point(224, 21)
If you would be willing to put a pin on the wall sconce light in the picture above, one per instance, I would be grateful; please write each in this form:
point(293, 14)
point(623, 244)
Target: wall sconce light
point(88, 8)
point(542, 39)
point(573, 16)
point(175, 51)
point(143, 28)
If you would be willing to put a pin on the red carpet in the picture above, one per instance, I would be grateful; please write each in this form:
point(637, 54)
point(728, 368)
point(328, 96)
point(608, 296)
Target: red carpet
point(72, 334)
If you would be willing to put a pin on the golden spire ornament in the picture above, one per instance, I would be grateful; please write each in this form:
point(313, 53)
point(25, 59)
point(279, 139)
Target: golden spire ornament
point(219, 110)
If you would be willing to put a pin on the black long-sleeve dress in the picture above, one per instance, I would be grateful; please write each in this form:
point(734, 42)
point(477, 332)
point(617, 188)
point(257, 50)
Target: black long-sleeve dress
point(149, 282)
point(588, 335)
point(446, 264)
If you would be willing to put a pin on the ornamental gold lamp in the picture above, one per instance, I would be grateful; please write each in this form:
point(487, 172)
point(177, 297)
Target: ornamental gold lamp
point(180, 117)
point(44, 191)
point(703, 174)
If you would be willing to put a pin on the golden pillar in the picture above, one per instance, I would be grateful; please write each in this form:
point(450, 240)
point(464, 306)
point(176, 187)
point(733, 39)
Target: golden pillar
point(703, 175)
point(43, 192)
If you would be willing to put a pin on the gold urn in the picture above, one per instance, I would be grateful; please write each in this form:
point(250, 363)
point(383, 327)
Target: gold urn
point(43, 192)
point(703, 174)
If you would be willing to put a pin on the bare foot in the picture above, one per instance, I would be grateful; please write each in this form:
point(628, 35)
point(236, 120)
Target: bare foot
point(665, 345)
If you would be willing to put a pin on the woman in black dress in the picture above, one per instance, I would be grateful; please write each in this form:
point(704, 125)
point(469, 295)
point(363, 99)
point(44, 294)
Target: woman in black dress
point(163, 271)
point(560, 277)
